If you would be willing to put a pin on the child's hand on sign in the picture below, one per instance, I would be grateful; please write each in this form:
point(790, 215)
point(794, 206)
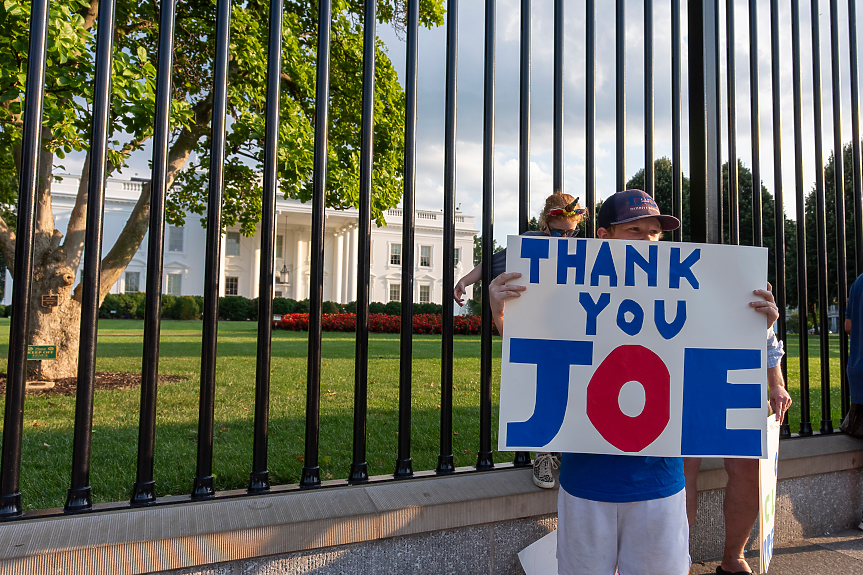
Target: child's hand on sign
point(499, 291)
point(767, 306)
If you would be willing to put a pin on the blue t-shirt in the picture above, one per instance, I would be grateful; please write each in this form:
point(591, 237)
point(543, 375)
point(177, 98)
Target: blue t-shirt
point(854, 312)
point(620, 478)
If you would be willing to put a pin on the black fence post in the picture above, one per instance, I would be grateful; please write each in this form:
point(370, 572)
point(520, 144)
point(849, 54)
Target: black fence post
point(524, 119)
point(16, 377)
point(259, 478)
point(79, 496)
point(755, 127)
point(557, 143)
point(522, 458)
point(620, 94)
point(590, 116)
point(359, 472)
point(779, 206)
point(144, 489)
point(676, 93)
point(733, 187)
point(203, 483)
point(404, 465)
point(856, 168)
point(839, 189)
point(649, 185)
point(311, 475)
point(484, 458)
point(705, 184)
point(802, 291)
point(445, 463)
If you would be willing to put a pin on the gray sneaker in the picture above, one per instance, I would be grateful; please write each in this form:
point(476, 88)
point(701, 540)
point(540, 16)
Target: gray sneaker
point(542, 466)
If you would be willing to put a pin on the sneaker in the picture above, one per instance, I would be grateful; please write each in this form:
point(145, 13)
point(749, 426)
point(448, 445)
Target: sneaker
point(542, 466)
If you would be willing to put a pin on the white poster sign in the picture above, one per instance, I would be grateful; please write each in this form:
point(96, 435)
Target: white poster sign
point(768, 470)
point(540, 557)
point(634, 347)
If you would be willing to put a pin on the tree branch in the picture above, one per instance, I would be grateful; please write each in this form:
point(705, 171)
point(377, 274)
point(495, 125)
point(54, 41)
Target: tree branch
point(44, 228)
point(75, 230)
point(90, 14)
point(129, 240)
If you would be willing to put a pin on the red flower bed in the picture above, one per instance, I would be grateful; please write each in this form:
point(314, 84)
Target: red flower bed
point(381, 323)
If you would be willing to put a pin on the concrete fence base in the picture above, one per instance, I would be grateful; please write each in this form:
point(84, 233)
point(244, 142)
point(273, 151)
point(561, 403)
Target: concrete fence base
point(468, 523)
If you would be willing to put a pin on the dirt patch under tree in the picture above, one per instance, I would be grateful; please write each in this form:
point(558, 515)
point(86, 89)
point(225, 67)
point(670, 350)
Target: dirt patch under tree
point(104, 380)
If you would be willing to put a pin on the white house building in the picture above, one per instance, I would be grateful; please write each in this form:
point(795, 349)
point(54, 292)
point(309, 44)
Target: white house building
point(185, 250)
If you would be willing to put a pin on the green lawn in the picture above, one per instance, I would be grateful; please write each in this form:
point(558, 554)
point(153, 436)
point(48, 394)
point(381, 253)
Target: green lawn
point(47, 445)
point(815, 412)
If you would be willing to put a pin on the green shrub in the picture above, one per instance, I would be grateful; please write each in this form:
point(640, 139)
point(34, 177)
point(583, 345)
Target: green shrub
point(234, 308)
point(252, 311)
point(185, 307)
point(427, 308)
point(393, 308)
point(109, 304)
point(792, 322)
point(350, 307)
point(331, 307)
point(283, 306)
point(167, 304)
point(302, 306)
point(123, 305)
point(377, 307)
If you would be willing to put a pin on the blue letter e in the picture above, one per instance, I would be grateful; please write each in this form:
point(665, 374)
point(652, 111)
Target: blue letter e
point(552, 359)
point(707, 396)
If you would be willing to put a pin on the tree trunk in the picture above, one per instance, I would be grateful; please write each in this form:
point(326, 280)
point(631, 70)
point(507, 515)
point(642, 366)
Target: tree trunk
point(55, 262)
point(55, 325)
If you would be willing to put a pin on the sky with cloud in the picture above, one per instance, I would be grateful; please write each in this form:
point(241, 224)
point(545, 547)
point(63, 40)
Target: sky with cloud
point(431, 96)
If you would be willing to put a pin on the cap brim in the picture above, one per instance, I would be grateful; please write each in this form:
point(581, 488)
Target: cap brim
point(668, 223)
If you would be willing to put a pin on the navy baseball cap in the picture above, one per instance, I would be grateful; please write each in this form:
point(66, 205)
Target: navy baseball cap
point(631, 205)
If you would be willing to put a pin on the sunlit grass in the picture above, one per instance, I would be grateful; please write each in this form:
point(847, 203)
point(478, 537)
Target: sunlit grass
point(815, 387)
point(47, 445)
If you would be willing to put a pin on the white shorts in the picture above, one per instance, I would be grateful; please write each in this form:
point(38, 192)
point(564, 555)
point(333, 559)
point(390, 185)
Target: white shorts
point(640, 538)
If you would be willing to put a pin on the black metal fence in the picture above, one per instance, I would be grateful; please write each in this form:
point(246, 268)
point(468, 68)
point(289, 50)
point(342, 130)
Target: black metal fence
point(706, 197)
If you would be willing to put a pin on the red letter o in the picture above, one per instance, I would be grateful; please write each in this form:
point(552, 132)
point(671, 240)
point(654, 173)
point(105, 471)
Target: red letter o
point(629, 363)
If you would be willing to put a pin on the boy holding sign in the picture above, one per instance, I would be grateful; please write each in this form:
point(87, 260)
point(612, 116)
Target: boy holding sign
point(619, 511)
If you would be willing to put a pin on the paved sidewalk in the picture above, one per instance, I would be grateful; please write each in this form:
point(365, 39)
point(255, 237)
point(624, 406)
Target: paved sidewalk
point(832, 554)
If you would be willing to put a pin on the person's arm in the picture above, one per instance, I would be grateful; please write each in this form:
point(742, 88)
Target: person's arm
point(469, 279)
point(847, 326)
point(777, 395)
point(498, 292)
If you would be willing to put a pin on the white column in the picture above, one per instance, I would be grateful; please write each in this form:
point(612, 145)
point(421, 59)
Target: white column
point(256, 274)
point(329, 290)
point(7, 294)
point(346, 270)
point(299, 262)
point(222, 242)
point(338, 267)
point(352, 263)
